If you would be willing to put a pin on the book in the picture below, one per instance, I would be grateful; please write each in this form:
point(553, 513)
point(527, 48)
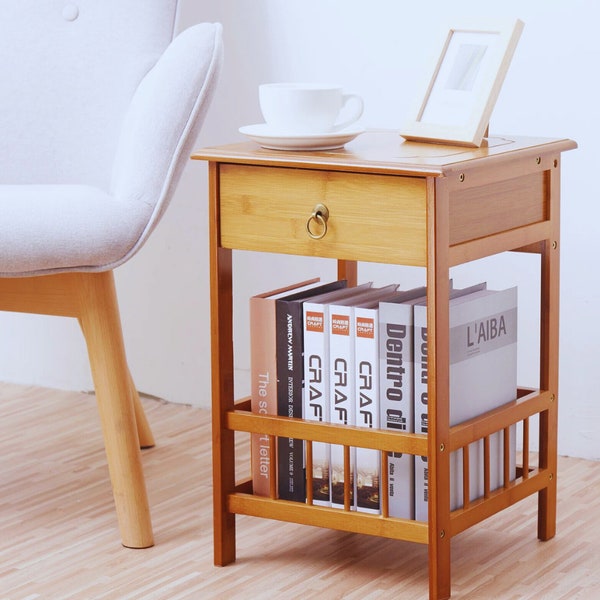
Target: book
point(366, 385)
point(291, 479)
point(316, 375)
point(263, 378)
point(483, 376)
point(420, 391)
point(397, 364)
point(396, 351)
point(367, 402)
point(342, 385)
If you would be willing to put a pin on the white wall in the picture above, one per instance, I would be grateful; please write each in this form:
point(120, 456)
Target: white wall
point(379, 49)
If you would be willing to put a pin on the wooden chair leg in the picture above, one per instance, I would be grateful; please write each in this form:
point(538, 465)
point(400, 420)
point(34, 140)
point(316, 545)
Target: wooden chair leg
point(145, 434)
point(101, 327)
point(143, 426)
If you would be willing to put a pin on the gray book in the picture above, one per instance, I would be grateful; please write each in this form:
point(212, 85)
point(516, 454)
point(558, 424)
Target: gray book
point(483, 376)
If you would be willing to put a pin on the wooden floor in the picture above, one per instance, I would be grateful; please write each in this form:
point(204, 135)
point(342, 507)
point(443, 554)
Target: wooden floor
point(58, 536)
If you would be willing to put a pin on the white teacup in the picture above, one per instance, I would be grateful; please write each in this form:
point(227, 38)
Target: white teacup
point(306, 108)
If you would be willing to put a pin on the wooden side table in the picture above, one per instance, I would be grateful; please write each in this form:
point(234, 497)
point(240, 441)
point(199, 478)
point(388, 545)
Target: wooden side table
point(398, 202)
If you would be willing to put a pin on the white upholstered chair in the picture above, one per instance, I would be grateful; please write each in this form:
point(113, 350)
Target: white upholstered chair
point(99, 108)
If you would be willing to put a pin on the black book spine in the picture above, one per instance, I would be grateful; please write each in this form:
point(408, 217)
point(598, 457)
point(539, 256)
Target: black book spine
point(291, 476)
point(290, 451)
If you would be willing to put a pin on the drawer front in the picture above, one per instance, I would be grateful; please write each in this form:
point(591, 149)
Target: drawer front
point(376, 218)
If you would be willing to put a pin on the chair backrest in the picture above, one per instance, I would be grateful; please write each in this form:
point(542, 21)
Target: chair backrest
point(68, 71)
point(99, 93)
point(163, 121)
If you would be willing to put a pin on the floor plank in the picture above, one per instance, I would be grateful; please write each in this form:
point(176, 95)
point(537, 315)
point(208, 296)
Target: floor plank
point(59, 538)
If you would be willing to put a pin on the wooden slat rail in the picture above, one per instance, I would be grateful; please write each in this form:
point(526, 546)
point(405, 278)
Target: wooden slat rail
point(527, 405)
point(520, 237)
point(466, 479)
point(347, 478)
point(499, 418)
point(321, 516)
point(506, 446)
point(358, 437)
point(525, 458)
point(384, 482)
point(527, 482)
point(308, 449)
point(272, 475)
point(244, 502)
point(498, 500)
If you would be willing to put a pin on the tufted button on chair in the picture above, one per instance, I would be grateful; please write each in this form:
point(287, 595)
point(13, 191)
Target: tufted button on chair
point(99, 108)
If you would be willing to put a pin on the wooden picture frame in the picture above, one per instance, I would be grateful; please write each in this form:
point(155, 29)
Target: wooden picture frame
point(458, 100)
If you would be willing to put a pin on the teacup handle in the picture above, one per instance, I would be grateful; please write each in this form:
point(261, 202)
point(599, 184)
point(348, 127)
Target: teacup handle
point(358, 111)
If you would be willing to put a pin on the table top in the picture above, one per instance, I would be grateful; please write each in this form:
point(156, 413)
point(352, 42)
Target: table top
point(385, 151)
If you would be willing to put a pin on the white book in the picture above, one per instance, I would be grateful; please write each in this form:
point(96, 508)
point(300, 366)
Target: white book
point(367, 474)
point(396, 348)
point(483, 376)
point(366, 399)
point(341, 395)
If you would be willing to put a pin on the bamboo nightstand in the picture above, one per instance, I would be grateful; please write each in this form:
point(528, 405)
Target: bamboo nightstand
point(390, 201)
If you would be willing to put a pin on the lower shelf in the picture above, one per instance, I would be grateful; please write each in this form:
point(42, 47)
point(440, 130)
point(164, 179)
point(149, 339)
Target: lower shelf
point(243, 502)
point(529, 480)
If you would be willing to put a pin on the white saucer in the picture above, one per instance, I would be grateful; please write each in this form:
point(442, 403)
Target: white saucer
point(267, 138)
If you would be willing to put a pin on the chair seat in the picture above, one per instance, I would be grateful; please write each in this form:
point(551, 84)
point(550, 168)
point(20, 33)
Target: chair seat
point(53, 228)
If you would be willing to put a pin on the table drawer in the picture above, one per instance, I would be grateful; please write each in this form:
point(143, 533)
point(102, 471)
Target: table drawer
point(377, 218)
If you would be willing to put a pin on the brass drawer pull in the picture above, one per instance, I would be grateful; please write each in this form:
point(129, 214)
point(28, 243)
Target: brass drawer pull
point(320, 214)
